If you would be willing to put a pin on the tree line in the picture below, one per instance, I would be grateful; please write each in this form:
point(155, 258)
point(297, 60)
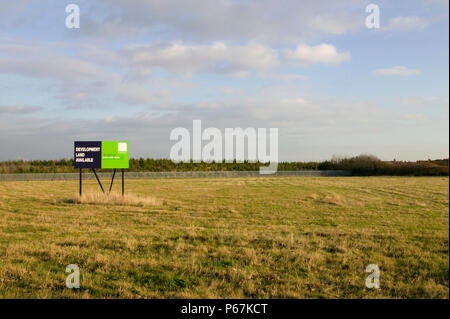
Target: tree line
point(363, 165)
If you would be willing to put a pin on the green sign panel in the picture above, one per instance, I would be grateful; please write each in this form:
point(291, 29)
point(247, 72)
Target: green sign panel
point(115, 154)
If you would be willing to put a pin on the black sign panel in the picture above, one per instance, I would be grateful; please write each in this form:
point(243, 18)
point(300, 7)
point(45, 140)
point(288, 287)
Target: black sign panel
point(87, 154)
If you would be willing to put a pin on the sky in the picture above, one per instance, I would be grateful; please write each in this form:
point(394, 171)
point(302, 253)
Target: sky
point(136, 70)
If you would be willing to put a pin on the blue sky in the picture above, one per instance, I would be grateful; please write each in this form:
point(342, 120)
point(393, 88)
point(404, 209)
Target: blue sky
point(135, 70)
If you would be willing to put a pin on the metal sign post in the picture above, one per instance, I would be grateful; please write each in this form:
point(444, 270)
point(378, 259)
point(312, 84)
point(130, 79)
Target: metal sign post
point(98, 180)
point(112, 181)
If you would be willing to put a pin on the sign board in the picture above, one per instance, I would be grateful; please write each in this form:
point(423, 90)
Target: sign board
point(87, 154)
point(97, 154)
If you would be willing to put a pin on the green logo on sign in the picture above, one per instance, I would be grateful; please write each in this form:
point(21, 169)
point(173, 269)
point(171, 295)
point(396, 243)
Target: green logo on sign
point(115, 154)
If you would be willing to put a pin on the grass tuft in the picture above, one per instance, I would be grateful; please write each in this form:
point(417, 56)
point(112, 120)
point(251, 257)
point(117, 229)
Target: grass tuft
point(113, 199)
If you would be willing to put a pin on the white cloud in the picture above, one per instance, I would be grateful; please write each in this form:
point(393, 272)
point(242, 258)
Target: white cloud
point(285, 77)
point(421, 100)
point(322, 53)
point(220, 37)
point(406, 23)
point(444, 3)
point(333, 24)
point(293, 77)
point(134, 94)
point(99, 54)
point(214, 58)
point(232, 91)
point(265, 21)
point(138, 75)
point(11, 13)
point(67, 69)
point(19, 110)
point(13, 49)
point(396, 70)
point(310, 127)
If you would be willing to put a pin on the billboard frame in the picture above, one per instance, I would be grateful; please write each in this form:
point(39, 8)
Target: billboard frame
point(92, 167)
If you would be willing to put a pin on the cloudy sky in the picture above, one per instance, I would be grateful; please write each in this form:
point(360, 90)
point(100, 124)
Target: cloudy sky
point(135, 70)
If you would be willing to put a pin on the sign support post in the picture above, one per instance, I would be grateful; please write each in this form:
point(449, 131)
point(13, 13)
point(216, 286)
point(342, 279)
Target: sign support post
point(112, 181)
point(81, 183)
point(123, 183)
point(98, 180)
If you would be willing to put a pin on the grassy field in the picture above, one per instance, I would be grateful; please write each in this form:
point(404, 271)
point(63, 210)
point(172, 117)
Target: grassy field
point(279, 237)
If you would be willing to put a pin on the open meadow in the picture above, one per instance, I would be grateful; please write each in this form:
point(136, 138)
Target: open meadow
point(264, 237)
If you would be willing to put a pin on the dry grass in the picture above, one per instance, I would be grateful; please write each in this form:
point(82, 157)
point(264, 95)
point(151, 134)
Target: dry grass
point(113, 199)
point(283, 237)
